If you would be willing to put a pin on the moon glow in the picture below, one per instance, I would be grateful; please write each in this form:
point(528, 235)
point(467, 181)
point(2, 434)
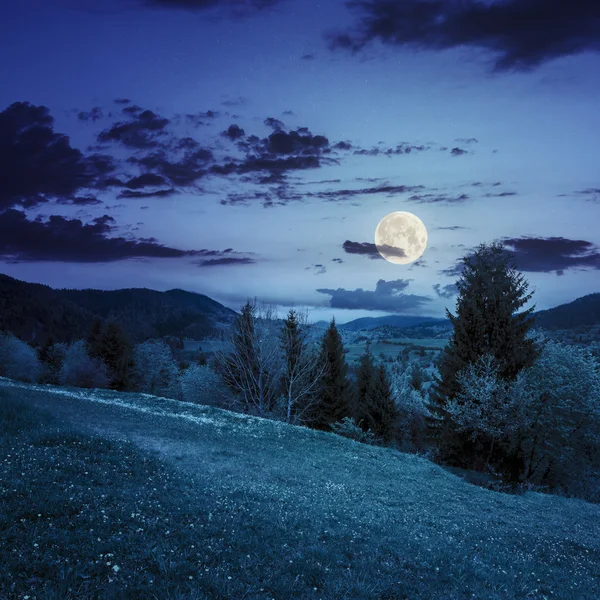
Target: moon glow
point(401, 237)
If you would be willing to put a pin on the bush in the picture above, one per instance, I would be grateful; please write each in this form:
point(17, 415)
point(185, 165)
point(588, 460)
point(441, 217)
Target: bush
point(155, 369)
point(349, 429)
point(79, 369)
point(52, 358)
point(18, 360)
point(200, 384)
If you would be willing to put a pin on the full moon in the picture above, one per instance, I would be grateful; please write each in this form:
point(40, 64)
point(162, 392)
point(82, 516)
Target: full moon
point(401, 237)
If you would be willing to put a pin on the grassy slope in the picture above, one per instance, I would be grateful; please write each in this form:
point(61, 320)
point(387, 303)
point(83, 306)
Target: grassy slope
point(266, 510)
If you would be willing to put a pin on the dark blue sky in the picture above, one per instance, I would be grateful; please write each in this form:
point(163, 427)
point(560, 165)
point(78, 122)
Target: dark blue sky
point(250, 148)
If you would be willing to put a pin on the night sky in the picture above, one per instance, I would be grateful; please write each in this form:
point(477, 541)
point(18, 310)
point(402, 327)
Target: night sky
point(249, 148)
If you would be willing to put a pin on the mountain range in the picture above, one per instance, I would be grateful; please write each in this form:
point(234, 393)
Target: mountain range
point(36, 312)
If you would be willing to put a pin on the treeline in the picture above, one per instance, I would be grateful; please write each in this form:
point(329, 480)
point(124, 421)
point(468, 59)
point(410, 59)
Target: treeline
point(502, 399)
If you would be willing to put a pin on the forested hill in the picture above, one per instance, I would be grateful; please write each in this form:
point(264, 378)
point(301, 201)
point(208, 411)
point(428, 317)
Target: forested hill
point(36, 312)
point(583, 312)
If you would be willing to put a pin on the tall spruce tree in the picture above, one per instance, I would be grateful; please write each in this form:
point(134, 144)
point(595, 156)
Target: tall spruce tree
point(380, 406)
point(490, 291)
point(364, 377)
point(332, 403)
point(109, 344)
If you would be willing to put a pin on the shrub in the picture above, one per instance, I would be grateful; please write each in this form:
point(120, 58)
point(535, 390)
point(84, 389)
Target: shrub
point(18, 360)
point(349, 429)
point(79, 369)
point(155, 369)
point(200, 384)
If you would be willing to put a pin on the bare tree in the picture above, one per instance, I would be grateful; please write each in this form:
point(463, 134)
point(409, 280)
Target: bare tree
point(302, 369)
point(251, 362)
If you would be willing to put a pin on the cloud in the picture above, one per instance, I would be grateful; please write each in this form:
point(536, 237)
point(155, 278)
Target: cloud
point(235, 8)
point(453, 227)
point(145, 180)
point(364, 248)
point(458, 152)
point(307, 57)
point(317, 269)
point(591, 194)
point(91, 115)
point(29, 145)
point(184, 171)
point(234, 132)
point(140, 132)
point(337, 260)
point(121, 100)
point(467, 140)
point(520, 34)
point(70, 240)
point(239, 101)
point(438, 198)
point(387, 297)
point(156, 194)
point(446, 291)
point(80, 201)
point(402, 148)
point(219, 262)
point(273, 123)
point(390, 190)
point(546, 255)
point(543, 255)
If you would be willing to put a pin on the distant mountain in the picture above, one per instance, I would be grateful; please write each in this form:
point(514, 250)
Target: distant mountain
point(35, 312)
point(390, 320)
point(583, 312)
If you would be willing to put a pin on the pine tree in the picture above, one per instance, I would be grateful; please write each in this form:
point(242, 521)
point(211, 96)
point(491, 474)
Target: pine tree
point(380, 407)
point(116, 353)
point(332, 403)
point(364, 377)
point(490, 292)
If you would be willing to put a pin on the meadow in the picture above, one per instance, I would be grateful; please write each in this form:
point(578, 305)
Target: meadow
point(112, 495)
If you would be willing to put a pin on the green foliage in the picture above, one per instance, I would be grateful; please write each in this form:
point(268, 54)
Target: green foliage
point(332, 403)
point(109, 344)
point(490, 292)
point(79, 369)
point(349, 429)
point(155, 370)
point(52, 355)
point(18, 360)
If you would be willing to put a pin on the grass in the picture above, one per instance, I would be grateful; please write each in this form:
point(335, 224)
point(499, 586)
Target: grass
point(266, 510)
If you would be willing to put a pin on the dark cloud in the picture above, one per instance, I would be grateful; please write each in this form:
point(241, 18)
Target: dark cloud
point(236, 8)
point(387, 297)
point(438, 198)
point(591, 194)
point(273, 123)
point(234, 132)
point(317, 269)
point(458, 152)
point(156, 194)
point(307, 57)
point(402, 148)
point(134, 109)
point(219, 262)
point(337, 260)
point(467, 140)
point(520, 34)
point(70, 240)
point(145, 180)
point(446, 291)
point(546, 255)
point(500, 195)
point(199, 119)
point(121, 100)
point(390, 190)
point(364, 248)
point(184, 171)
point(300, 141)
point(140, 132)
point(543, 255)
point(453, 227)
point(37, 164)
point(91, 115)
